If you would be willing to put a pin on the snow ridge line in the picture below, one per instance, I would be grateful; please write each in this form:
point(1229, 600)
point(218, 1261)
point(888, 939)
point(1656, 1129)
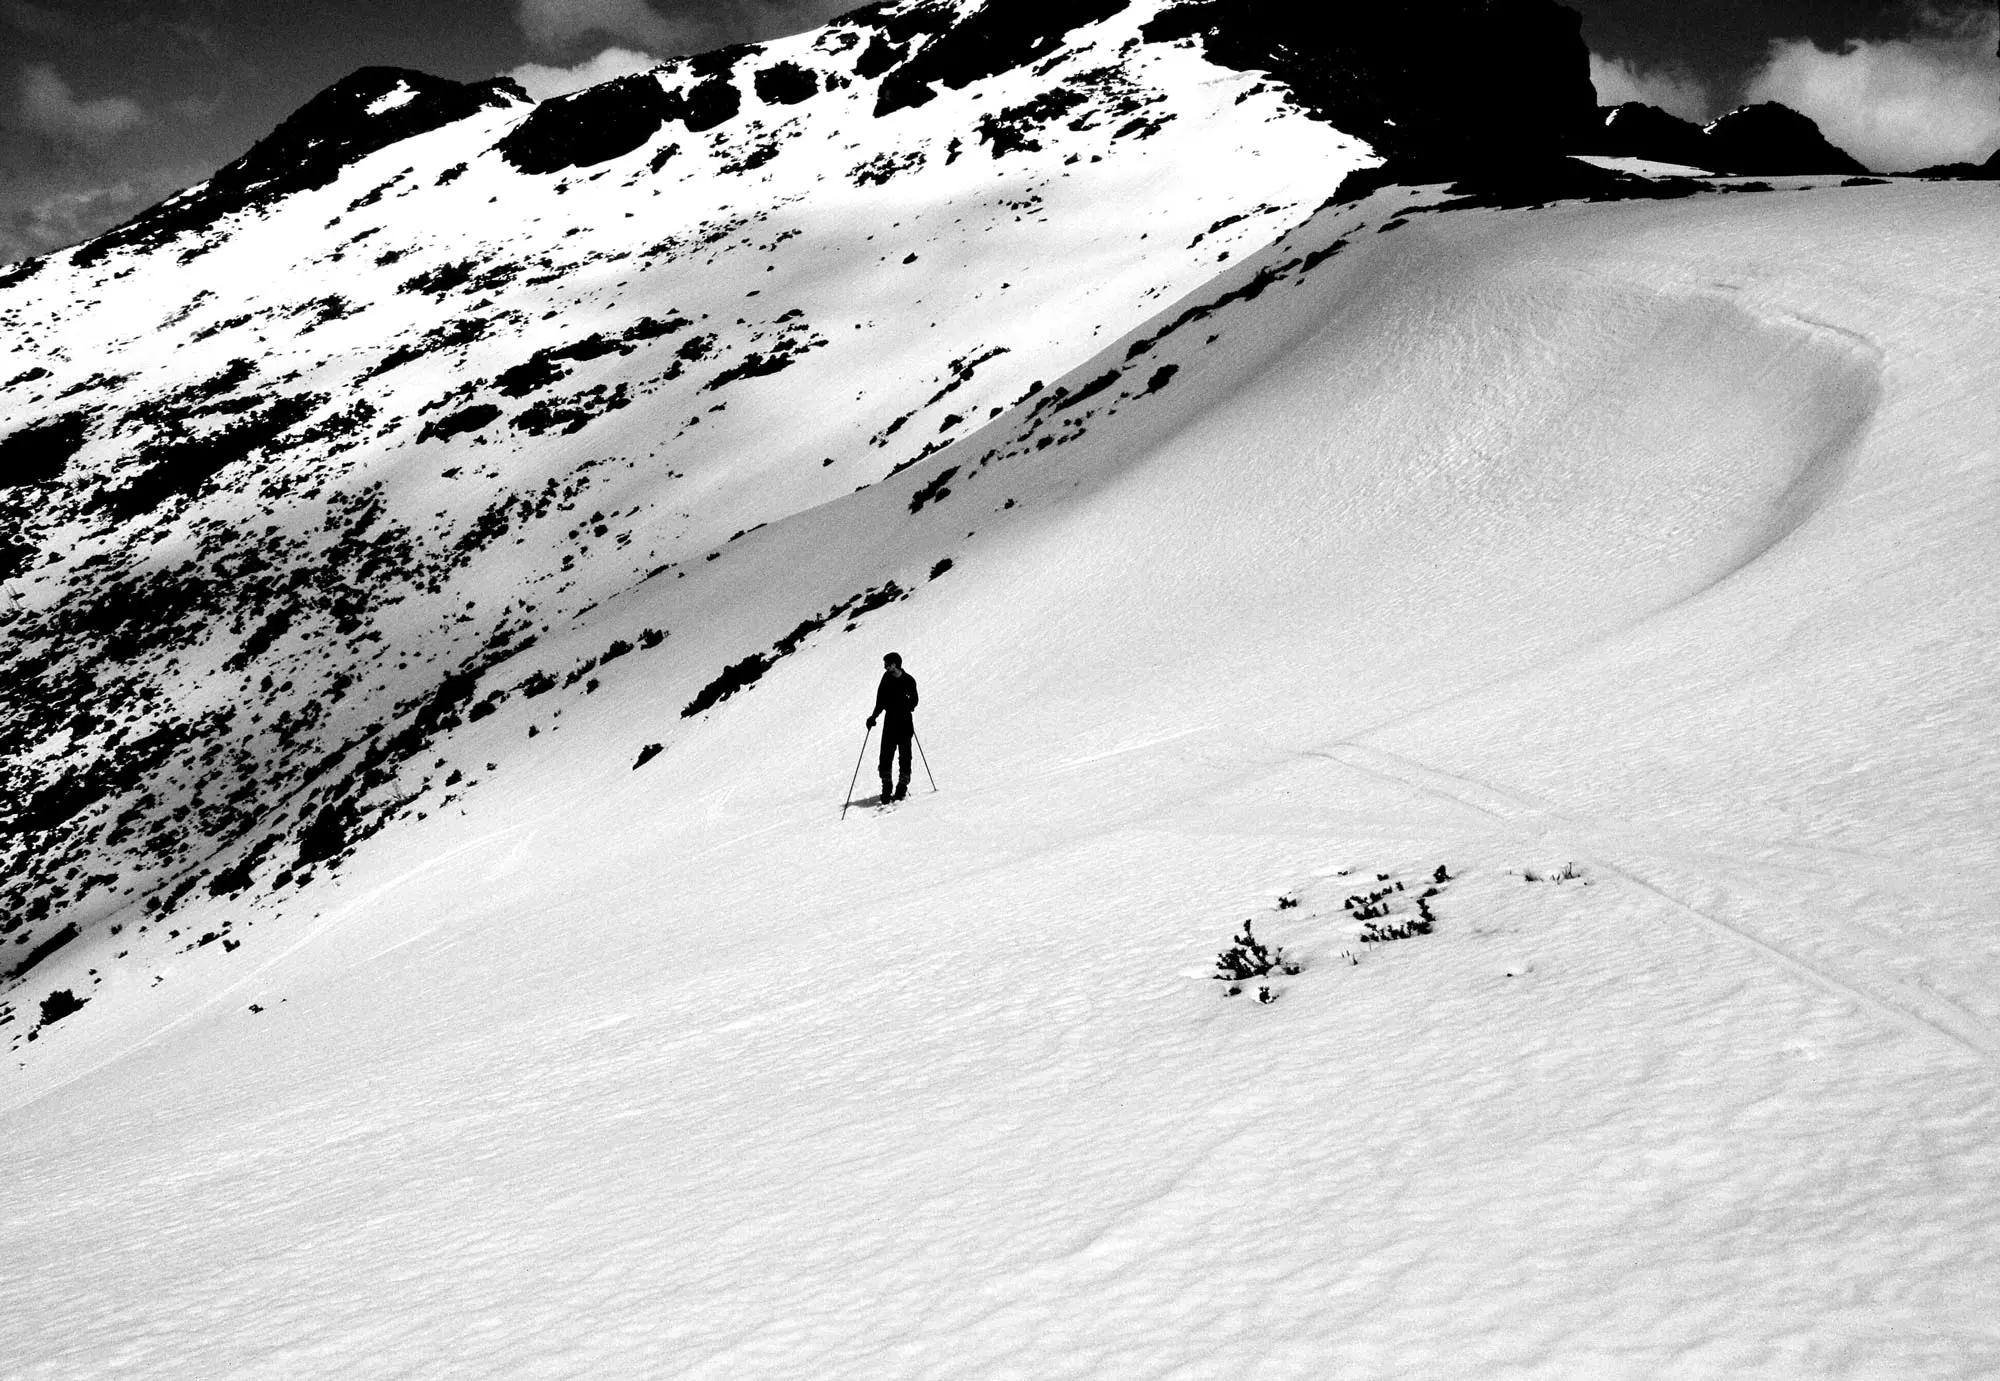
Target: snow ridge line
point(1940, 1018)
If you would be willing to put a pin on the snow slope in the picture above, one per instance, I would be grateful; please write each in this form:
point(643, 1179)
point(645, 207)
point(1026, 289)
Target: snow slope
point(306, 485)
point(1633, 562)
point(1625, 536)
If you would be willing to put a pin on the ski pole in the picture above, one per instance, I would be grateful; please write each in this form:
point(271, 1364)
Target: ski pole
point(920, 753)
point(857, 769)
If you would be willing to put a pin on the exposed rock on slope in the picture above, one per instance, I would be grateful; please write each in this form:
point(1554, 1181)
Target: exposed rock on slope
point(1768, 140)
point(1989, 171)
point(1466, 81)
point(1771, 139)
point(588, 127)
point(366, 111)
point(1637, 130)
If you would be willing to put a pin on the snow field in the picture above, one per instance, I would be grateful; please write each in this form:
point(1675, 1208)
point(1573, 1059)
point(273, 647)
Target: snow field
point(1626, 536)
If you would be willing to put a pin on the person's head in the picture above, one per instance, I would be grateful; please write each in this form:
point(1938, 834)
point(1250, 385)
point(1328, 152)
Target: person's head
point(892, 661)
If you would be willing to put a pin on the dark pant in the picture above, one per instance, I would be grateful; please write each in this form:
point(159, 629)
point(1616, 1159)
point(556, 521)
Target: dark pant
point(896, 746)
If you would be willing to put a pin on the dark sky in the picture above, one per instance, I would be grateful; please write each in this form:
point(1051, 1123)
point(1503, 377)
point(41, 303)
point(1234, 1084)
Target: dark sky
point(108, 105)
point(1728, 39)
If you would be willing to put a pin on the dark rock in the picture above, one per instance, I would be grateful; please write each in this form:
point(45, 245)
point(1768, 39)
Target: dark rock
point(878, 57)
point(41, 952)
point(37, 453)
point(17, 548)
point(1448, 84)
point(21, 272)
point(1774, 140)
point(786, 83)
point(343, 124)
point(328, 833)
point(1000, 37)
point(719, 62)
point(714, 102)
point(1636, 130)
point(1014, 127)
point(182, 467)
point(464, 420)
point(1989, 171)
point(589, 127)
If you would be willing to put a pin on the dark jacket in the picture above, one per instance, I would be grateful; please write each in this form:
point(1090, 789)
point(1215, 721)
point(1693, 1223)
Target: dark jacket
point(895, 700)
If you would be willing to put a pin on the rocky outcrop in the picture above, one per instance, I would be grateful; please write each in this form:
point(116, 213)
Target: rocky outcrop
point(613, 118)
point(1444, 86)
point(999, 37)
point(1989, 171)
point(786, 83)
point(1773, 140)
point(1637, 130)
point(589, 126)
point(364, 112)
point(38, 453)
point(1768, 140)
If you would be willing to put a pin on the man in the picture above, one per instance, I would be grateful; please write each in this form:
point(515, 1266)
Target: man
point(895, 700)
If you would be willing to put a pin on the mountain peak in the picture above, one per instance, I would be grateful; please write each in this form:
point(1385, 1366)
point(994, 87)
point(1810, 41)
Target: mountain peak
point(1774, 138)
point(1465, 79)
point(367, 110)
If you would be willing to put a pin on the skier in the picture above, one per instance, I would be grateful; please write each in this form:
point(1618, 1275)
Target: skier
point(896, 698)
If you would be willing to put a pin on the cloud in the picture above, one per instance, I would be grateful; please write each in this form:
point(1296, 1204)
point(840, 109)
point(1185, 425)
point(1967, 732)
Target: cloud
point(555, 25)
point(1677, 92)
point(679, 26)
point(49, 108)
point(33, 19)
point(68, 217)
point(1933, 97)
point(542, 81)
point(199, 108)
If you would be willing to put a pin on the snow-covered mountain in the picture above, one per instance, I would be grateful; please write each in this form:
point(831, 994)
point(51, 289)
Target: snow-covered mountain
point(449, 555)
point(418, 408)
point(324, 457)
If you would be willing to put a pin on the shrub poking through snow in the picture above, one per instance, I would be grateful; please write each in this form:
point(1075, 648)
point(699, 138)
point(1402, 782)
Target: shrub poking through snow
point(59, 1004)
point(1375, 909)
point(1248, 957)
point(1376, 934)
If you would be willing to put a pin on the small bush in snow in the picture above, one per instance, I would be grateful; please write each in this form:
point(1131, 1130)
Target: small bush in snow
point(60, 1004)
point(1248, 957)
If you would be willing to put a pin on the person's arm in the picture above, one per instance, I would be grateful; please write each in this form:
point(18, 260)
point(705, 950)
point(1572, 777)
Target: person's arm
point(913, 689)
point(881, 699)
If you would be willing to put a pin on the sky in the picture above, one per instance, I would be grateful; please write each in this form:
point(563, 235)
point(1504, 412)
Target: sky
point(107, 106)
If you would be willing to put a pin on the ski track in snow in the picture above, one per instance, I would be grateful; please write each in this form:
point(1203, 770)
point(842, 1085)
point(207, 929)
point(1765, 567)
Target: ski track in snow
point(1585, 841)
